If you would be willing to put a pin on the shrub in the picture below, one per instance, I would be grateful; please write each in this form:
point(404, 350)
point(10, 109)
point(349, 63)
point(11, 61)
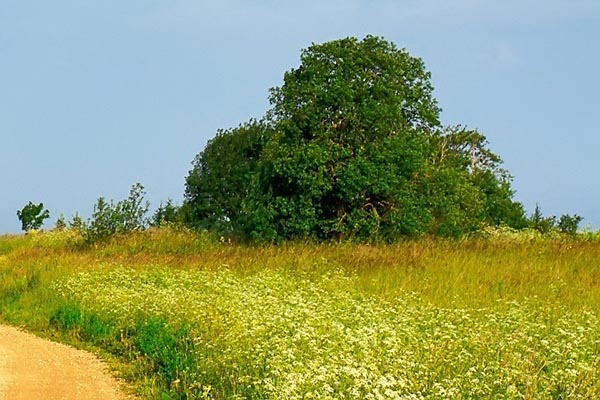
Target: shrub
point(165, 214)
point(569, 224)
point(77, 223)
point(125, 216)
point(540, 223)
point(60, 224)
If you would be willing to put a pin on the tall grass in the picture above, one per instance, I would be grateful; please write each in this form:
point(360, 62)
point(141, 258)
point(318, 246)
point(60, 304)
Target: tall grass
point(189, 316)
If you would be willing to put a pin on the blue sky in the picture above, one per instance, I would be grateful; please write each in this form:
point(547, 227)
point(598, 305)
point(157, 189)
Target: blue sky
point(95, 96)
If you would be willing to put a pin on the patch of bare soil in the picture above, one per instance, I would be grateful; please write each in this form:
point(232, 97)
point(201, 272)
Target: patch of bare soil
point(32, 368)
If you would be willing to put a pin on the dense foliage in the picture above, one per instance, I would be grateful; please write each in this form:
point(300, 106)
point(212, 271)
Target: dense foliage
point(166, 214)
point(32, 216)
point(351, 148)
point(221, 190)
point(124, 216)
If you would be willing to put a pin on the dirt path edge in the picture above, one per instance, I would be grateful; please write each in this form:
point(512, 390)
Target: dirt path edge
point(36, 368)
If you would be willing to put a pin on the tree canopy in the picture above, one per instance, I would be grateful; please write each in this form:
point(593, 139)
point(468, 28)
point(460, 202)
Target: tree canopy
point(222, 184)
point(352, 147)
point(32, 216)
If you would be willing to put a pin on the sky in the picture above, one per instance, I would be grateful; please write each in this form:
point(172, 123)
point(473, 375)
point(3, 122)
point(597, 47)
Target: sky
point(98, 95)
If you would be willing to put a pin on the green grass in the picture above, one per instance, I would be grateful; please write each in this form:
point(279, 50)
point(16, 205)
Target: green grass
point(186, 316)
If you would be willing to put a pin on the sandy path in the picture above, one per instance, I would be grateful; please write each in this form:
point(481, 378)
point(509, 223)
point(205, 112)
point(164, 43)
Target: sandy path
point(32, 368)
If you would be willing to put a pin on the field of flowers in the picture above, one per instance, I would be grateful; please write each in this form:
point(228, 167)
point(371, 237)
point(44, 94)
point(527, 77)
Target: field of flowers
point(301, 322)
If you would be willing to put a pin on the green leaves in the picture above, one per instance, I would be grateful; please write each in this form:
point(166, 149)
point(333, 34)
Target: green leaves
point(351, 148)
point(351, 123)
point(32, 216)
point(224, 178)
point(125, 216)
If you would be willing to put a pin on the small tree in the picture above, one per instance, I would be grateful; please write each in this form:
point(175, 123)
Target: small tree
point(60, 224)
point(102, 224)
point(540, 223)
point(77, 223)
point(32, 216)
point(130, 214)
point(569, 224)
point(125, 216)
point(167, 213)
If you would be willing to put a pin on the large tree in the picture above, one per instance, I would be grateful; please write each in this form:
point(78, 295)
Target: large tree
point(466, 187)
point(352, 147)
point(351, 144)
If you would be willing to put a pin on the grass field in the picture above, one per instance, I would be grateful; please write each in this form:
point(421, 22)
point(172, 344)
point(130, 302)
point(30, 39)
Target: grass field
point(185, 316)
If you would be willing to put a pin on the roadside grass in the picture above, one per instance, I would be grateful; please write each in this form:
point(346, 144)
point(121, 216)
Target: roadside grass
point(188, 316)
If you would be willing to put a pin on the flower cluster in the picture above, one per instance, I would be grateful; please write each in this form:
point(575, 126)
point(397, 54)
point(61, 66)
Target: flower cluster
point(283, 334)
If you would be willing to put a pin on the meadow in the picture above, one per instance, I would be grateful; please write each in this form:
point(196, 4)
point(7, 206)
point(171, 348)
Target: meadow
point(504, 315)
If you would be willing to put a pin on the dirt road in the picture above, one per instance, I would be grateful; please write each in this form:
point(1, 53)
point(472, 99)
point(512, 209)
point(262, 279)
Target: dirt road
point(32, 368)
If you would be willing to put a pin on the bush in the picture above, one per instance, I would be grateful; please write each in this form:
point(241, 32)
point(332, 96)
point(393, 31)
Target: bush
point(60, 224)
point(569, 224)
point(77, 223)
point(540, 223)
point(166, 214)
point(125, 216)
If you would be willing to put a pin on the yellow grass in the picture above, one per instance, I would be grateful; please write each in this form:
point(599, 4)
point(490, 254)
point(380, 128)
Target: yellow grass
point(538, 284)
